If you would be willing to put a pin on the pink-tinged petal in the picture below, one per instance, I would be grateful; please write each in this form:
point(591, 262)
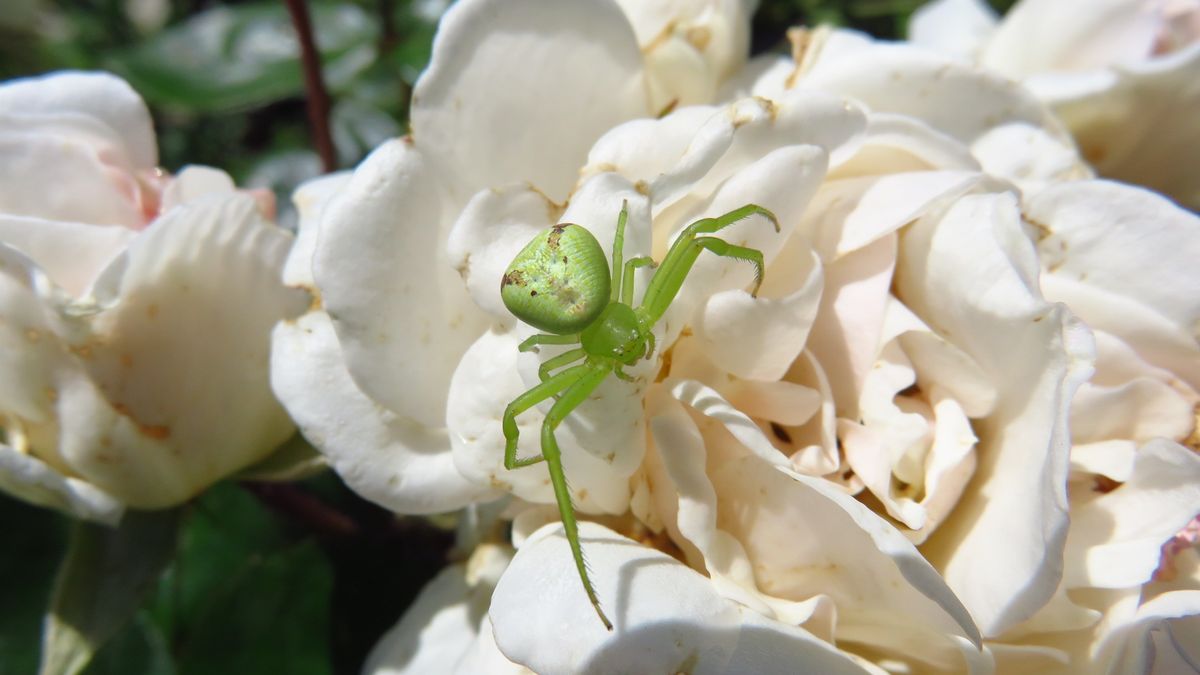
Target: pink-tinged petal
point(971, 274)
point(72, 254)
point(96, 103)
point(956, 27)
point(387, 459)
point(668, 618)
point(59, 174)
point(193, 300)
point(1132, 122)
point(446, 629)
point(34, 481)
point(1123, 240)
point(518, 91)
point(400, 311)
point(602, 441)
point(1116, 539)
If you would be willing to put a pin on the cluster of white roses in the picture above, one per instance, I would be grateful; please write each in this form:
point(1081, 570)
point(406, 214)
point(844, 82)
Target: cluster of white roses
point(955, 432)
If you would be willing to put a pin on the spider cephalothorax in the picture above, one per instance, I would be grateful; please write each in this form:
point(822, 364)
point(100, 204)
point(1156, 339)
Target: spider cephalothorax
point(561, 283)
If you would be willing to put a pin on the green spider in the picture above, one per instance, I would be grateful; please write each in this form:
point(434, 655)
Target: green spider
point(560, 283)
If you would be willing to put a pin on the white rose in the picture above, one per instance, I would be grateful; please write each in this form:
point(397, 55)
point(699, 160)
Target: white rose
point(136, 307)
point(901, 351)
point(1124, 75)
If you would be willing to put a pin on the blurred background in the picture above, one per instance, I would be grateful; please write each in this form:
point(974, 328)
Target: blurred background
point(297, 578)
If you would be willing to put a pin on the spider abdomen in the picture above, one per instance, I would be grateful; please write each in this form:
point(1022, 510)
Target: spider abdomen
point(559, 282)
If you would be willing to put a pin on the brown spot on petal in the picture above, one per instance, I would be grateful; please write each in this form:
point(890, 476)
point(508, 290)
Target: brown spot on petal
point(33, 335)
point(152, 310)
point(155, 431)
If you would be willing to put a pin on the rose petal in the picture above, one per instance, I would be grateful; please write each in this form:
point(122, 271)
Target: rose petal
point(1160, 640)
point(40, 153)
point(602, 441)
point(1040, 35)
point(72, 254)
point(1129, 121)
point(194, 182)
point(37, 483)
point(667, 616)
point(1116, 539)
point(952, 97)
point(759, 338)
point(846, 335)
point(98, 102)
point(387, 459)
point(955, 27)
point(747, 131)
point(971, 274)
point(192, 299)
point(446, 628)
point(401, 313)
point(579, 61)
point(1092, 231)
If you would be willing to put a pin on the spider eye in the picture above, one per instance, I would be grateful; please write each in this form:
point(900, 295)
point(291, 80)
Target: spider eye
point(559, 282)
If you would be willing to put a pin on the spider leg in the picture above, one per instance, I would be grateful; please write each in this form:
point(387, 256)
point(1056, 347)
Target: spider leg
point(679, 259)
point(621, 374)
point(571, 398)
point(617, 252)
point(559, 361)
point(524, 402)
point(530, 343)
point(627, 284)
point(671, 280)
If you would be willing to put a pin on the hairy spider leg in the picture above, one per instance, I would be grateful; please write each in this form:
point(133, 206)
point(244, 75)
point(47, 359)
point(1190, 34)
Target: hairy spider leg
point(530, 343)
point(687, 247)
point(571, 398)
point(534, 396)
point(559, 361)
point(618, 251)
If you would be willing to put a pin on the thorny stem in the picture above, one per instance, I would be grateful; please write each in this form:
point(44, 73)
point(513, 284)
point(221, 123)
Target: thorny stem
point(318, 99)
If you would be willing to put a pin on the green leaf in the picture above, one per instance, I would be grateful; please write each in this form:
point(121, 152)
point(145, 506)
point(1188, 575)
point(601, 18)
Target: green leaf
point(244, 596)
point(246, 55)
point(35, 539)
point(101, 583)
